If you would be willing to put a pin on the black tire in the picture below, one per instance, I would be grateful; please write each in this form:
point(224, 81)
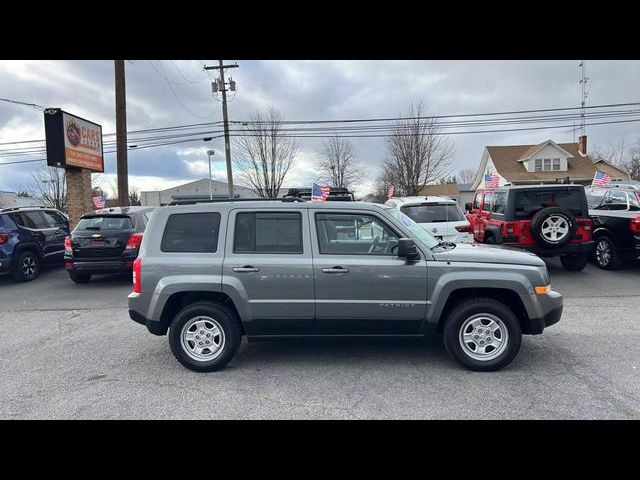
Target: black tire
point(227, 322)
point(460, 314)
point(490, 240)
point(80, 277)
point(538, 220)
point(575, 263)
point(612, 261)
point(26, 266)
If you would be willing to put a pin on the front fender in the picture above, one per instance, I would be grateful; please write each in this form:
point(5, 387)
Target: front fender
point(445, 278)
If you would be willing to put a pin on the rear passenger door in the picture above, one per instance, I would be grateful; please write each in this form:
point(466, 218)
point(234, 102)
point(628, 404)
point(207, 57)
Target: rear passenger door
point(268, 261)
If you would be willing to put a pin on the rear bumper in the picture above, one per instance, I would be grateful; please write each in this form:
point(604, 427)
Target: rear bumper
point(155, 327)
point(5, 265)
point(570, 249)
point(99, 267)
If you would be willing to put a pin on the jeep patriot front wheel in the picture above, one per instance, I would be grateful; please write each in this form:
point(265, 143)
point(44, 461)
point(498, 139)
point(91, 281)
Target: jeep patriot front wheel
point(482, 334)
point(204, 336)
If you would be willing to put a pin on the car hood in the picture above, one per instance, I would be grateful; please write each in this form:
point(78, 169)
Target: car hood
point(483, 253)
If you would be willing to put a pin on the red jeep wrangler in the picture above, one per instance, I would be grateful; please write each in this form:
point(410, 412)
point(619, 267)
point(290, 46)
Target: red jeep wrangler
point(548, 220)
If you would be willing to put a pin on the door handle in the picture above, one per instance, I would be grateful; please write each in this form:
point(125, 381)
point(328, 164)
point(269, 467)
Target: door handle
point(335, 270)
point(246, 269)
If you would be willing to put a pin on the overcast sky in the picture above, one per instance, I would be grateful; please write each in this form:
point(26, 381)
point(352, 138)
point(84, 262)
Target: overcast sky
point(301, 90)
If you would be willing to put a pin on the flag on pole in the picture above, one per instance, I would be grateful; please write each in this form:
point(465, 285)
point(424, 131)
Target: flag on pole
point(320, 193)
point(100, 201)
point(390, 191)
point(491, 180)
point(601, 179)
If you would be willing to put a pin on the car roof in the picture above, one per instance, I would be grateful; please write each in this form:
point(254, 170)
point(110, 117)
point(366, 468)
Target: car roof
point(537, 187)
point(119, 211)
point(420, 200)
point(276, 205)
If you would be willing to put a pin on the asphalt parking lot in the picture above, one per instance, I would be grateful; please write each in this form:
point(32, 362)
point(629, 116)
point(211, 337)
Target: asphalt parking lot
point(70, 351)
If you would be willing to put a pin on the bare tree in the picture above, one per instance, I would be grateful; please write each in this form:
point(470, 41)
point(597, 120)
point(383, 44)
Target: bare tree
point(265, 154)
point(621, 154)
point(417, 153)
point(466, 175)
point(49, 188)
point(338, 162)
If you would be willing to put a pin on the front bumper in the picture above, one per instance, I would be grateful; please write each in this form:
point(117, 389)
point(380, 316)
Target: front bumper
point(548, 310)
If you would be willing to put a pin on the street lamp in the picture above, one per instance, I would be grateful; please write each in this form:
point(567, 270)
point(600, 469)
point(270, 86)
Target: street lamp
point(209, 153)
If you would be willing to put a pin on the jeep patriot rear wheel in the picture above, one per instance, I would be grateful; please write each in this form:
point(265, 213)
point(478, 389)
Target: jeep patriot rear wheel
point(204, 336)
point(482, 334)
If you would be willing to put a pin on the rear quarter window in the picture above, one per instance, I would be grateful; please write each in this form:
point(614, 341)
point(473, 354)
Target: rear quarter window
point(191, 232)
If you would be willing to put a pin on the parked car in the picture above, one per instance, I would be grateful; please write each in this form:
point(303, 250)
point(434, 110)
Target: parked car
point(210, 273)
point(105, 241)
point(31, 237)
point(548, 220)
point(440, 216)
point(336, 194)
point(615, 212)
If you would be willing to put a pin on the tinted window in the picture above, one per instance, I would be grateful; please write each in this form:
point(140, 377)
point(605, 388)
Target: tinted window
point(499, 202)
point(486, 205)
point(191, 232)
point(529, 202)
point(476, 201)
point(105, 223)
point(433, 213)
point(268, 233)
point(29, 220)
point(344, 234)
point(53, 219)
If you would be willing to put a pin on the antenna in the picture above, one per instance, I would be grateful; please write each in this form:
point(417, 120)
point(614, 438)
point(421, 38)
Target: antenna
point(583, 82)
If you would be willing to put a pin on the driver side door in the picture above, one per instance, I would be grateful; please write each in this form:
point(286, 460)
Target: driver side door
point(361, 285)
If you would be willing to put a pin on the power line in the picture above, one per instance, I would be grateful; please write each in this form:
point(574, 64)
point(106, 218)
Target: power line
point(35, 105)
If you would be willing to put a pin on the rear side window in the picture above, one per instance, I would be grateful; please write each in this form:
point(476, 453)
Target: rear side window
point(529, 202)
point(191, 232)
point(30, 220)
point(499, 202)
point(595, 197)
point(433, 213)
point(258, 232)
point(105, 223)
point(53, 219)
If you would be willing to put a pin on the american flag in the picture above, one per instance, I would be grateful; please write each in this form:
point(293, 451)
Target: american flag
point(601, 179)
point(320, 193)
point(100, 201)
point(390, 191)
point(491, 180)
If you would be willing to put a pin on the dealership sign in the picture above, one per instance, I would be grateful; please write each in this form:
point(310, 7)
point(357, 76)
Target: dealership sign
point(72, 141)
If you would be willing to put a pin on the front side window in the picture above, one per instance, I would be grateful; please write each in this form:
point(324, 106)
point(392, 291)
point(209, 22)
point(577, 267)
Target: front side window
point(616, 200)
point(477, 200)
point(354, 234)
point(191, 232)
point(486, 206)
point(268, 232)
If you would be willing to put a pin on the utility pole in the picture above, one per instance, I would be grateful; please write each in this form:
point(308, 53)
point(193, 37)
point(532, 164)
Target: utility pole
point(121, 135)
point(583, 82)
point(222, 86)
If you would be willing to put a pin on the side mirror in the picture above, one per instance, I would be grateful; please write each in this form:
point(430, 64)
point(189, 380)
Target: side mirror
point(407, 249)
point(467, 206)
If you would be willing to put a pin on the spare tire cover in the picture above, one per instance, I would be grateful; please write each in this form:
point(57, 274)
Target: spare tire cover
point(553, 227)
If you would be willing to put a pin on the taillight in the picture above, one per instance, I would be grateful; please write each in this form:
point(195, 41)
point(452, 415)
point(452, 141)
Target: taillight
point(4, 238)
point(585, 223)
point(137, 275)
point(464, 228)
point(134, 242)
point(634, 224)
point(67, 246)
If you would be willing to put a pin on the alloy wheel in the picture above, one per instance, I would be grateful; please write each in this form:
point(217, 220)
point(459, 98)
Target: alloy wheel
point(555, 228)
point(29, 266)
point(603, 253)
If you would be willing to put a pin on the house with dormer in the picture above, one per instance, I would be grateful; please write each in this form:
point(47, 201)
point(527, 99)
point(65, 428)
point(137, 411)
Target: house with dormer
point(546, 162)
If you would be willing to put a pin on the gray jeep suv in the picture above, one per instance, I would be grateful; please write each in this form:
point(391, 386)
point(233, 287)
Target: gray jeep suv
point(213, 272)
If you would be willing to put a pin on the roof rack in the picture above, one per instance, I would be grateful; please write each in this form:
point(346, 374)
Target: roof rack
point(28, 207)
point(225, 200)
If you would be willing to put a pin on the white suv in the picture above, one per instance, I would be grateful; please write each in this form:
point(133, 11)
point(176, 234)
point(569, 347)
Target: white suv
point(440, 216)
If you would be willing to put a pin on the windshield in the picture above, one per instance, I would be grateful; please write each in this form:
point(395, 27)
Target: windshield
point(422, 235)
point(435, 212)
point(105, 223)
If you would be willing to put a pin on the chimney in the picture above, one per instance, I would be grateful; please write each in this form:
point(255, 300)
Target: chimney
point(582, 145)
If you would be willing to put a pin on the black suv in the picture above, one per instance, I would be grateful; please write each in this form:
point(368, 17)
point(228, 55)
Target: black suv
point(336, 194)
point(548, 220)
point(615, 212)
point(29, 238)
point(105, 241)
